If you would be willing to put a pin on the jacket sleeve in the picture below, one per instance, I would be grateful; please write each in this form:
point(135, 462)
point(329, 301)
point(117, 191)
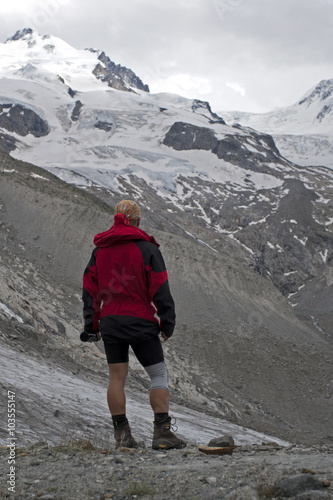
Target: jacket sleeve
point(159, 291)
point(91, 297)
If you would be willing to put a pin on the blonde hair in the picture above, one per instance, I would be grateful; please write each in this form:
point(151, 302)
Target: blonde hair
point(129, 208)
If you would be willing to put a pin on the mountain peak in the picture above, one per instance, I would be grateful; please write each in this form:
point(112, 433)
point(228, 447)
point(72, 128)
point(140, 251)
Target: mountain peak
point(320, 92)
point(25, 32)
point(78, 68)
point(117, 76)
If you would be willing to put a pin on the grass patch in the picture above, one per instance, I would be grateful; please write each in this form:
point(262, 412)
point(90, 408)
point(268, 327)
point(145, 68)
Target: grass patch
point(139, 489)
point(51, 489)
point(77, 442)
point(265, 491)
point(74, 446)
point(264, 485)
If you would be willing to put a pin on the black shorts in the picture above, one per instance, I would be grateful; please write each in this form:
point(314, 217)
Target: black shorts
point(148, 352)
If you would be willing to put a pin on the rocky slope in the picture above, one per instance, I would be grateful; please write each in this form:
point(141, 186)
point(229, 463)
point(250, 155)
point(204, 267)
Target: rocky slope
point(212, 182)
point(240, 352)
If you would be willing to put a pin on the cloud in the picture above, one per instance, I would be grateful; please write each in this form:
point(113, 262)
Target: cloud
point(182, 84)
point(274, 49)
point(236, 87)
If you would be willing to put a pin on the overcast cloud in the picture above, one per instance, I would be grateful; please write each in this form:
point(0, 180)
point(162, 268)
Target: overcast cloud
point(250, 55)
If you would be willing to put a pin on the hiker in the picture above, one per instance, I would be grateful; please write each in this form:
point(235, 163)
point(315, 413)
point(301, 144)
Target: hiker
point(125, 285)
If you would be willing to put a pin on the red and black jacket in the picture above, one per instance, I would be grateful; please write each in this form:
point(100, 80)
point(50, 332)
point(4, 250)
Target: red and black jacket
point(125, 285)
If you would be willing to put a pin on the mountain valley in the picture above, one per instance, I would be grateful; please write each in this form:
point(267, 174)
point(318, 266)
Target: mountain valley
point(246, 235)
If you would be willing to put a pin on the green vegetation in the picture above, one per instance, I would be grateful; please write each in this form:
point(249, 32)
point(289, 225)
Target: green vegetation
point(139, 489)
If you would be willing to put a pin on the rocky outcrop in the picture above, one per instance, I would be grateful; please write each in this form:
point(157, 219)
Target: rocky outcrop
point(290, 246)
point(321, 92)
point(71, 92)
point(106, 126)
point(326, 111)
point(20, 34)
point(201, 107)
point(295, 485)
point(286, 230)
point(117, 76)
point(7, 143)
point(22, 121)
point(76, 111)
point(185, 136)
point(252, 151)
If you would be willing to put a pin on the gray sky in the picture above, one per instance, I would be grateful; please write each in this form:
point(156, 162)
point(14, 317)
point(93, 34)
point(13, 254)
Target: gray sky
point(248, 55)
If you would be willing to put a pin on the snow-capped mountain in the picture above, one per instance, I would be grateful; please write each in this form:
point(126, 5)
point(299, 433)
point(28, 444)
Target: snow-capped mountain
point(246, 234)
point(80, 116)
point(302, 132)
point(32, 56)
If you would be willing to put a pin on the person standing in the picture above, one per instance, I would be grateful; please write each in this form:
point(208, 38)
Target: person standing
point(125, 285)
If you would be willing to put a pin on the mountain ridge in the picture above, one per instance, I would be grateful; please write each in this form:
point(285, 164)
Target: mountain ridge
point(247, 236)
point(303, 132)
point(176, 153)
point(114, 75)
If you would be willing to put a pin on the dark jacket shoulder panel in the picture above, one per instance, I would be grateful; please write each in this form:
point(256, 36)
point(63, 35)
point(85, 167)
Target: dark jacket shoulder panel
point(151, 255)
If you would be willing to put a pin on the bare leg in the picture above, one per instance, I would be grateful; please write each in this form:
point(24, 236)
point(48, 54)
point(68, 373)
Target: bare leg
point(116, 390)
point(159, 400)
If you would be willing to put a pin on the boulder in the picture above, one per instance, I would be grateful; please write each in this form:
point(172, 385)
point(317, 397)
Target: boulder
point(222, 442)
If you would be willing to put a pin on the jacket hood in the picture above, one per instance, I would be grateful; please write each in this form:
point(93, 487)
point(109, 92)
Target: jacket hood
point(121, 231)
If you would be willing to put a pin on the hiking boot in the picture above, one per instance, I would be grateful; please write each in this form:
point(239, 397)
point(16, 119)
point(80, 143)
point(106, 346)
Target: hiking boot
point(124, 438)
point(164, 438)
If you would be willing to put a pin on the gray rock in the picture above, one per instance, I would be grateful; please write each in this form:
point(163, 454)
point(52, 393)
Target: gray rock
point(208, 480)
point(297, 484)
point(245, 493)
point(185, 136)
point(117, 76)
point(203, 107)
point(222, 441)
point(315, 495)
point(20, 34)
point(7, 143)
point(106, 126)
point(76, 111)
point(16, 118)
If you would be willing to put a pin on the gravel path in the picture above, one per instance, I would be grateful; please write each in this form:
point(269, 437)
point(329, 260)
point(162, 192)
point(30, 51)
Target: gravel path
point(77, 471)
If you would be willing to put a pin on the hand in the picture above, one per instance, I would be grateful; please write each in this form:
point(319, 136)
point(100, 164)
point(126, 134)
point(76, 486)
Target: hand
point(164, 337)
point(90, 337)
